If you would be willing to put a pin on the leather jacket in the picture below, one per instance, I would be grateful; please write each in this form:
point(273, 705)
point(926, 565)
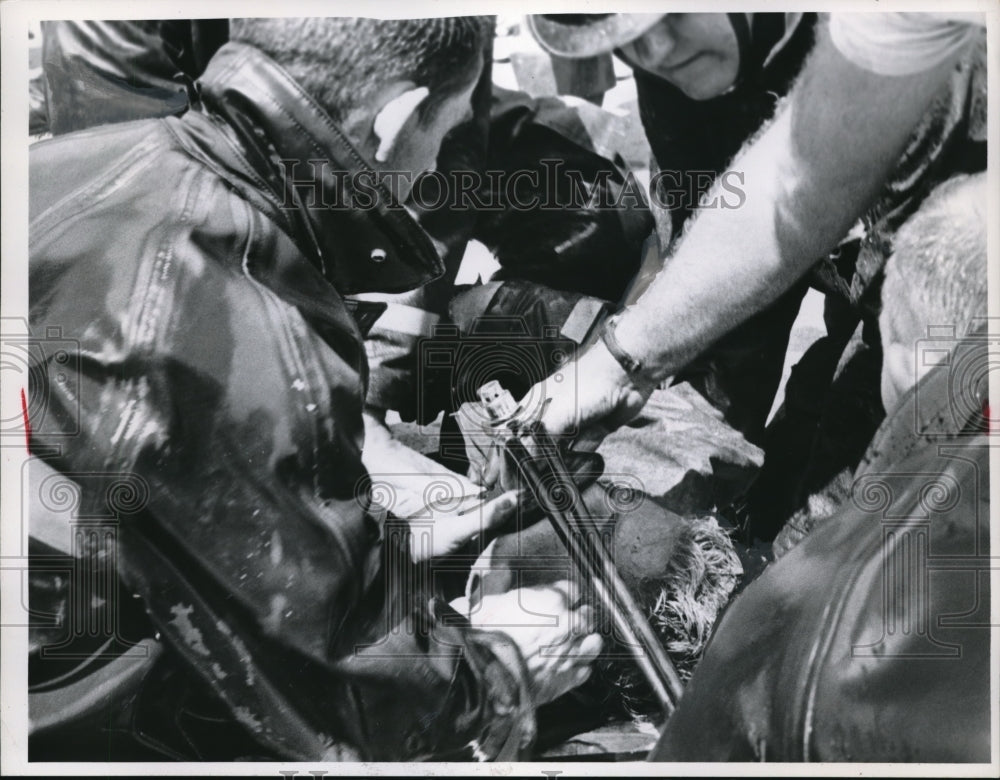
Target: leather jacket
point(870, 640)
point(100, 72)
point(214, 365)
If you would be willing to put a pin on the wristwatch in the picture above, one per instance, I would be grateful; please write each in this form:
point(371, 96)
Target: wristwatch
point(631, 365)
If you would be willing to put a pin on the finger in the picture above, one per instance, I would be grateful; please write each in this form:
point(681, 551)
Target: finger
point(564, 681)
point(510, 474)
point(574, 660)
point(590, 646)
point(467, 505)
point(571, 662)
point(533, 405)
point(561, 414)
point(583, 620)
point(582, 649)
point(450, 533)
point(562, 592)
point(573, 589)
point(491, 469)
point(500, 509)
point(466, 485)
point(453, 531)
point(493, 506)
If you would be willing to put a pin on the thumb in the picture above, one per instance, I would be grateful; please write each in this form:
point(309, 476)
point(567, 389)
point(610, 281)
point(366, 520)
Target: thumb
point(560, 415)
point(498, 510)
point(492, 467)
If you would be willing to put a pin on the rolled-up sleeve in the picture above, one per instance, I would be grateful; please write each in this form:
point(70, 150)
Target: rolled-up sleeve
point(898, 44)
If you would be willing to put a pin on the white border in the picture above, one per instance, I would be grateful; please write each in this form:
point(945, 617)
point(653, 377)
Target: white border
point(15, 16)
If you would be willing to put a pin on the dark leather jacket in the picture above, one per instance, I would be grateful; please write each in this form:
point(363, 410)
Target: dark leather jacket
point(217, 368)
point(100, 72)
point(870, 640)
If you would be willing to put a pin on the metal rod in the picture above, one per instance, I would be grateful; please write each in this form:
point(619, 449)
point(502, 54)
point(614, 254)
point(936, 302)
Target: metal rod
point(592, 558)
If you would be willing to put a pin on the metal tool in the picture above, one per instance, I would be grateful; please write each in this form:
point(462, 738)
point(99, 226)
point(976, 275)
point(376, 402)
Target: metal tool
point(539, 461)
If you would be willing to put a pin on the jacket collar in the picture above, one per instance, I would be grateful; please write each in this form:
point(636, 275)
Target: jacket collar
point(307, 161)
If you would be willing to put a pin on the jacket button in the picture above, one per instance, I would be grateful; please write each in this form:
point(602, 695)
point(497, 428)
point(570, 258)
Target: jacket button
point(378, 255)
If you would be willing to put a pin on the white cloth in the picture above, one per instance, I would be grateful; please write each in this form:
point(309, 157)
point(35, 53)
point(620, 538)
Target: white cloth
point(897, 44)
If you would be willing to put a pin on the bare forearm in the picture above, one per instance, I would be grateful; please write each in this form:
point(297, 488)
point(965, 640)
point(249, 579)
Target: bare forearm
point(712, 282)
point(807, 179)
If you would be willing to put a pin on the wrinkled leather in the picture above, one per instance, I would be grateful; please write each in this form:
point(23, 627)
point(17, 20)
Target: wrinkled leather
point(870, 640)
point(101, 72)
point(565, 246)
point(218, 368)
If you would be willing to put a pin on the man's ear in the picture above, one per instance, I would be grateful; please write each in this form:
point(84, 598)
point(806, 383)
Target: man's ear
point(393, 117)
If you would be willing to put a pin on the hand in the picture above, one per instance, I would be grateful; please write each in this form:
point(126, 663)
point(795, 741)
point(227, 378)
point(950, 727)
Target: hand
point(554, 638)
point(444, 508)
point(494, 469)
point(595, 396)
point(406, 482)
point(434, 534)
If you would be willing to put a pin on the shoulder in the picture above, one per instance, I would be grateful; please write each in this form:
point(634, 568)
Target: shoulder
point(124, 213)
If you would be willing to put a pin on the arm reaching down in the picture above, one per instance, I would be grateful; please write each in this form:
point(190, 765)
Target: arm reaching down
point(807, 178)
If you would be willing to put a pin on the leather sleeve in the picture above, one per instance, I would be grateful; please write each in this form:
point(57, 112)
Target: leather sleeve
point(869, 641)
point(194, 372)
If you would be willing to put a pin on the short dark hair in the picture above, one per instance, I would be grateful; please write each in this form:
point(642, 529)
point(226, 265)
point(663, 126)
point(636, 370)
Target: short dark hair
point(342, 61)
point(937, 272)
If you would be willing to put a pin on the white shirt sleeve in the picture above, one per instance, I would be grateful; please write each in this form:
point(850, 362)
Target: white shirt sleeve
point(897, 44)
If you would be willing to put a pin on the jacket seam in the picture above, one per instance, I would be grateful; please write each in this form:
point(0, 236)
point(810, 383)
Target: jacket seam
point(154, 305)
point(96, 192)
point(824, 642)
point(263, 189)
point(267, 297)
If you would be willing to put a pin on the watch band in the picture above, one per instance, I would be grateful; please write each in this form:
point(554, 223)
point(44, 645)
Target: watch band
point(631, 365)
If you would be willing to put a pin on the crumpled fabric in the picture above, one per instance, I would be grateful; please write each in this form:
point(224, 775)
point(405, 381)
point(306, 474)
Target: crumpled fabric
point(680, 450)
point(565, 246)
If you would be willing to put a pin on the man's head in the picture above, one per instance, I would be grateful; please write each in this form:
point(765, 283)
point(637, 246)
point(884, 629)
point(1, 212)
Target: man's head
point(936, 276)
point(697, 53)
point(395, 86)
